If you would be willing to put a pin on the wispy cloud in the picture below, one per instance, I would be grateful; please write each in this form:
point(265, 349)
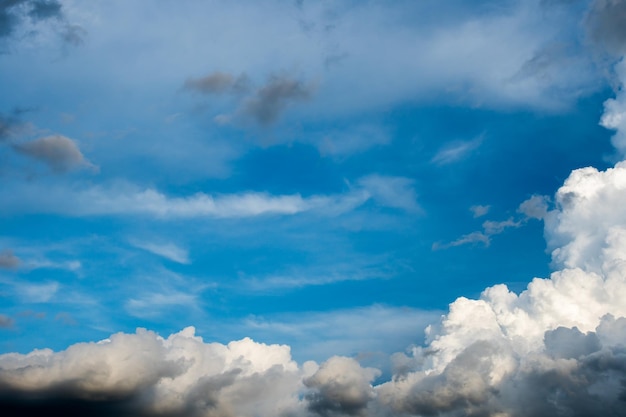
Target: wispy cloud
point(166, 250)
point(456, 151)
point(479, 211)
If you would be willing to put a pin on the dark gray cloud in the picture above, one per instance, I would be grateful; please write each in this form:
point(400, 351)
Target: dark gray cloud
point(8, 260)
point(60, 153)
point(267, 104)
point(606, 22)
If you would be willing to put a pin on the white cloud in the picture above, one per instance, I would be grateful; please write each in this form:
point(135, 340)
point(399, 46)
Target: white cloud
point(456, 151)
point(166, 250)
point(126, 199)
point(480, 211)
point(153, 304)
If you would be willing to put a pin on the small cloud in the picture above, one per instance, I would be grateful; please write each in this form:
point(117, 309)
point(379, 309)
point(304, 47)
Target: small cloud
point(217, 83)
point(6, 322)
point(495, 228)
point(456, 151)
point(38, 293)
point(536, 207)
point(154, 304)
point(73, 35)
point(490, 228)
point(397, 192)
point(60, 153)
point(166, 250)
point(267, 104)
point(479, 211)
point(341, 143)
point(66, 318)
point(470, 238)
point(8, 260)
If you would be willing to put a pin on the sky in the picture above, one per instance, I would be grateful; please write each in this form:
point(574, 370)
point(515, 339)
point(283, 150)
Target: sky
point(313, 208)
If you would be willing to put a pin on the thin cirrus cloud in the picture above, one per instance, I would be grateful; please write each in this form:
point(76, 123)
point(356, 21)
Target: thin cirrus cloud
point(168, 251)
point(126, 199)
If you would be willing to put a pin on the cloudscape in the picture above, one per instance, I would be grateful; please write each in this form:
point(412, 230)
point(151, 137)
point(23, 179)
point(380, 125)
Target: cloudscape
point(313, 208)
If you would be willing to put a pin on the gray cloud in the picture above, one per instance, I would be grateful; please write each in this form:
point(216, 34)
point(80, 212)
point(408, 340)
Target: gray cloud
point(8, 127)
point(606, 24)
point(60, 153)
point(13, 12)
point(266, 105)
point(340, 387)
point(8, 260)
point(217, 83)
point(5, 321)
point(45, 9)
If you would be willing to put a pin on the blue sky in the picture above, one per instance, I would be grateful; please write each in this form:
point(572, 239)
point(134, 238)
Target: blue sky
point(290, 171)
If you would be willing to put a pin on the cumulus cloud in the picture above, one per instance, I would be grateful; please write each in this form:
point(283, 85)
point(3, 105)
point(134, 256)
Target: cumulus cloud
point(536, 207)
point(144, 374)
point(60, 153)
point(340, 387)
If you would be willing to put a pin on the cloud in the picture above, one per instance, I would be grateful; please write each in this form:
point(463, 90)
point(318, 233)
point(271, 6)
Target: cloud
point(8, 260)
point(536, 207)
point(153, 304)
point(217, 83)
point(144, 374)
point(479, 211)
point(340, 387)
point(128, 199)
point(6, 322)
point(614, 116)
point(556, 348)
point(166, 250)
point(397, 192)
point(605, 22)
point(490, 228)
point(37, 293)
point(45, 9)
point(13, 13)
point(60, 153)
point(342, 143)
point(456, 151)
point(269, 101)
